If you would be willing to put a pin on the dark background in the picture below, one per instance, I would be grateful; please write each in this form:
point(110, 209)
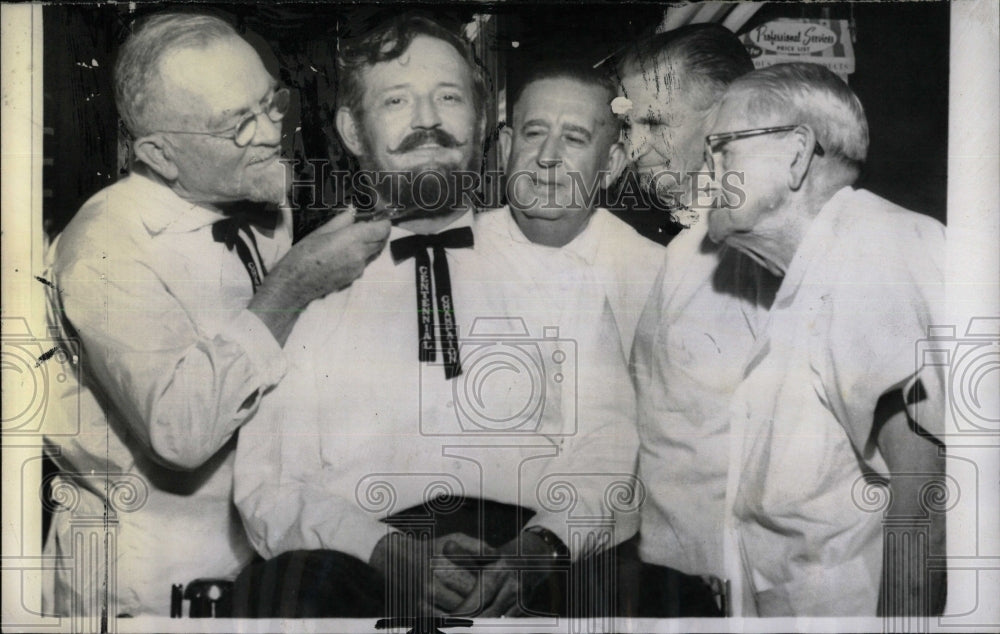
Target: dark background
point(901, 53)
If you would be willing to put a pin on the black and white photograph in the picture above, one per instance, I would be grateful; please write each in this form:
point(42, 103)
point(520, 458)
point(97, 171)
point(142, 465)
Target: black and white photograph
point(501, 316)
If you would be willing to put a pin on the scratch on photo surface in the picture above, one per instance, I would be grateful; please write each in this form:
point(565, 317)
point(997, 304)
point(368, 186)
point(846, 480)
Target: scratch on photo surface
point(46, 356)
point(48, 283)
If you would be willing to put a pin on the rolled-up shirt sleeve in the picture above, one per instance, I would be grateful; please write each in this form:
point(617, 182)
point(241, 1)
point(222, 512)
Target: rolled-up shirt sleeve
point(181, 387)
point(866, 343)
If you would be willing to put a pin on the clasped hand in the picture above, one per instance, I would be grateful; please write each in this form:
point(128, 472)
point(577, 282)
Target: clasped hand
point(457, 584)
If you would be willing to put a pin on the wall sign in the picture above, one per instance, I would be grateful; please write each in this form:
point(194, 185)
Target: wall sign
point(826, 42)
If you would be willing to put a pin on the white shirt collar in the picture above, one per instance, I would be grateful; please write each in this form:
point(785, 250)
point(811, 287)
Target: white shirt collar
point(166, 212)
point(584, 246)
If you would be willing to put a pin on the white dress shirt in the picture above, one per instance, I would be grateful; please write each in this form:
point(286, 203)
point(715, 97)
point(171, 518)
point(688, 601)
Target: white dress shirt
point(854, 305)
point(690, 349)
point(172, 364)
point(622, 261)
point(542, 415)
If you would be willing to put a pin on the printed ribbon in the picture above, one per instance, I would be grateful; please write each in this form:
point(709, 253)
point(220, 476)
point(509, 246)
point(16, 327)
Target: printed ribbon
point(416, 246)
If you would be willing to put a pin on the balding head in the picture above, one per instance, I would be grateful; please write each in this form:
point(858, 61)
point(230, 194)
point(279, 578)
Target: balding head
point(139, 88)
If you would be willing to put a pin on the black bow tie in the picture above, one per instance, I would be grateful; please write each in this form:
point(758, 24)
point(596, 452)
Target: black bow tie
point(248, 216)
point(262, 217)
point(407, 247)
point(415, 247)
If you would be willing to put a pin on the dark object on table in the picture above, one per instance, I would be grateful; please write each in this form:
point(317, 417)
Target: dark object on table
point(210, 598)
point(423, 625)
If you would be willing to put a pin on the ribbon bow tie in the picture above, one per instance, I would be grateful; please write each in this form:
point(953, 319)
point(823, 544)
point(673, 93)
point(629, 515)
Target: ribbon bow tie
point(263, 218)
point(409, 246)
point(415, 247)
point(228, 232)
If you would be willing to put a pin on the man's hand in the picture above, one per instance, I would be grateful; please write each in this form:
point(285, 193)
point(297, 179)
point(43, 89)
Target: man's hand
point(504, 584)
point(402, 559)
point(325, 261)
point(916, 462)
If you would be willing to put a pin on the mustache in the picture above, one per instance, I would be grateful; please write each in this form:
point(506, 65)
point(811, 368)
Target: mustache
point(420, 137)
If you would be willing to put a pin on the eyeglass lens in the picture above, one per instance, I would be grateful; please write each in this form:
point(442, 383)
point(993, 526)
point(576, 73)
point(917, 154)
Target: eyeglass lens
point(276, 111)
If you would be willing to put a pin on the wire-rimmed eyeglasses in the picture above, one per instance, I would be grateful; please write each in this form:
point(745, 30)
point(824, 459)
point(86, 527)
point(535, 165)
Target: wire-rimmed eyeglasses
point(246, 128)
point(714, 142)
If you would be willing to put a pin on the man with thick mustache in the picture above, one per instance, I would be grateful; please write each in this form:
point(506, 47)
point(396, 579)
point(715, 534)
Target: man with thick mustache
point(429, 459)
point(181, 283)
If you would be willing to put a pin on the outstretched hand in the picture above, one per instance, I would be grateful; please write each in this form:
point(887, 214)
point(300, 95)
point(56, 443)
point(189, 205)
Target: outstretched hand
point(327, 260)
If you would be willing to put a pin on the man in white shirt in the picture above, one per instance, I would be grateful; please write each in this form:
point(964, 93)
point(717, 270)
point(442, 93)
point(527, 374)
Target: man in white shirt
point(561, 149)
point(449, 454)
point(182, 286)
point(696, 331)
point(833, 410)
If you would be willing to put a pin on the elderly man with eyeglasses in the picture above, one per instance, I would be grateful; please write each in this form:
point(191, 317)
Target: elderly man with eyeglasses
point(834, 414)
point(181, 285)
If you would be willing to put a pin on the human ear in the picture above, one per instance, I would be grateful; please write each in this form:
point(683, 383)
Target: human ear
point(504, 142)
point(349, 131)
point(805, 145)
point(615, 164)
point(155, 152)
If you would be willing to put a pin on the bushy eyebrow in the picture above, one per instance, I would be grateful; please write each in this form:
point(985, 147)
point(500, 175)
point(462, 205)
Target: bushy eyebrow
point(569, 127)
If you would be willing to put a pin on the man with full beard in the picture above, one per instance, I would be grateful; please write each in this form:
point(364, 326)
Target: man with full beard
point(435, 458)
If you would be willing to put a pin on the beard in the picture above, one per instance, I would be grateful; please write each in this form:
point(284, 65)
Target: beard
point(270, 186)
point(426, 190)
point(429, 189)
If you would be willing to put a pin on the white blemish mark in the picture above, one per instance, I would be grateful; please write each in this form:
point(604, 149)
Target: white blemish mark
point(621, 105)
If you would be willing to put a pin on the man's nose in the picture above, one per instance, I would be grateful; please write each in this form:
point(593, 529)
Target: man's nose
point(425, 114)
point(268, 132)
point(637, 142)
point(550, 154)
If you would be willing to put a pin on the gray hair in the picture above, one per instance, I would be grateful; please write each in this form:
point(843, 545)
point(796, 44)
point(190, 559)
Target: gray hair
point(137, 79)
point(708, 57)
point(813, 95)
